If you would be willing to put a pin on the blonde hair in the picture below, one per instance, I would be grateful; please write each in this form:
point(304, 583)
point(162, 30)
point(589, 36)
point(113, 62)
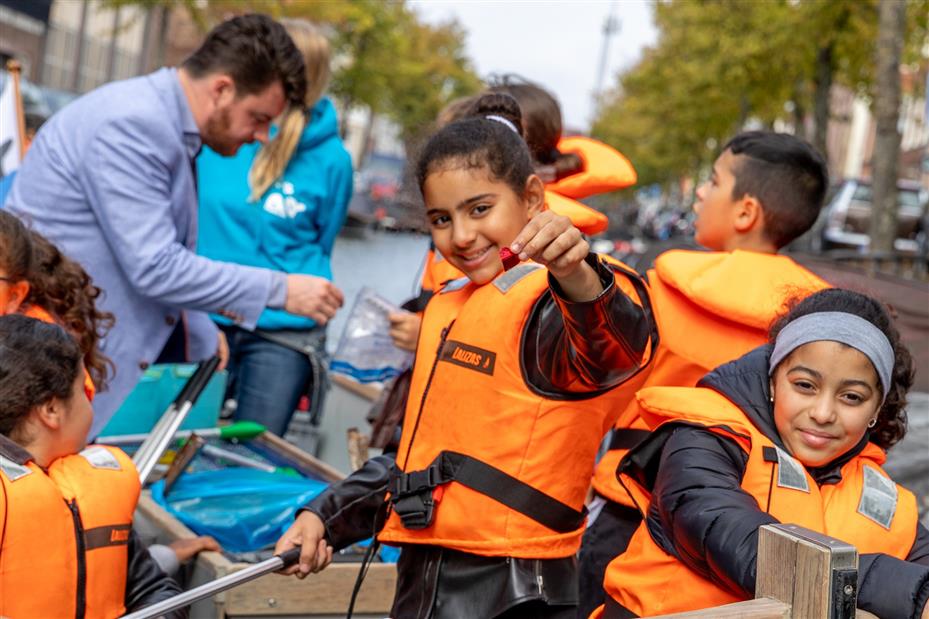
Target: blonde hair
point(272, 159)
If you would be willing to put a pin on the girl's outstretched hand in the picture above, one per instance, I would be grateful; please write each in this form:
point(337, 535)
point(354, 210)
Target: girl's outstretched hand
point(552, 240)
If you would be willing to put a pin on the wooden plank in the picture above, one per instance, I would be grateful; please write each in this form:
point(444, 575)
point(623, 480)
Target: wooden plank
point(777, 556)
point(325, 593)
point(323, 470)
point(759, 608)
point(817, 560)
point(369, 392)
point(812, 582)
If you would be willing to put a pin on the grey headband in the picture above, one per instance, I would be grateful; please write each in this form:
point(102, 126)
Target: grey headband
point(501, 119)
point(841, 327)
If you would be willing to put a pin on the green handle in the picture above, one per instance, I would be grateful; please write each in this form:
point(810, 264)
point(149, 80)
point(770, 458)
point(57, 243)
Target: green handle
point(242, 430)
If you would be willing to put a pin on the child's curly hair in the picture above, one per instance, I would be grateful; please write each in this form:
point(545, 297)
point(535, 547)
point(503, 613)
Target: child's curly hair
point(61, 286)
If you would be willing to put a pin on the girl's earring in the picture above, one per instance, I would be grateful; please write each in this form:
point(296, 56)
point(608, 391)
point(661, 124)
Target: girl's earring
point(872, 423)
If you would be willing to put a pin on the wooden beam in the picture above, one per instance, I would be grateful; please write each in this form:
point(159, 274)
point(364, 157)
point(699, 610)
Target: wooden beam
point(815, 574)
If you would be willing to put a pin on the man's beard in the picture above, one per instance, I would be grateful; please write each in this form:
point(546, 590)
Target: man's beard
point(217, 136)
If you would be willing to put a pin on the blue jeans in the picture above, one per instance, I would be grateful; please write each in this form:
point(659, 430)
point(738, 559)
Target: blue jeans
point(266, 378)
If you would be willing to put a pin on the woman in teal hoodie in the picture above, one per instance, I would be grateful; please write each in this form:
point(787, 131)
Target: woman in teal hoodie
point(279, 206)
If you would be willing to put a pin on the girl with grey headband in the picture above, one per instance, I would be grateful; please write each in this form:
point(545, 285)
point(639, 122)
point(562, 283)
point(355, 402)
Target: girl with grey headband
point(795, 431)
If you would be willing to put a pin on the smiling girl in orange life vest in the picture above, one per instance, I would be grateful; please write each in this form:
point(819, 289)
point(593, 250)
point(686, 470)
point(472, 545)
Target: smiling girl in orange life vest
point(792, 432)
point(66, 543)
point(571, 167)
point(512, 390)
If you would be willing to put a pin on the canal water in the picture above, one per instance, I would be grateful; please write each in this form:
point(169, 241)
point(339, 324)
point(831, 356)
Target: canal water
point(389, 262)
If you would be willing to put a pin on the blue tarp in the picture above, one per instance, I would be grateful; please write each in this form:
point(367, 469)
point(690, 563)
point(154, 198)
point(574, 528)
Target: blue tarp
point(244, 509)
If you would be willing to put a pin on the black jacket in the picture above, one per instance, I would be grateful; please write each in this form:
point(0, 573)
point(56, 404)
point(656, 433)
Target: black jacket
point(700, 514)
point(146, 584)
point(567, 348)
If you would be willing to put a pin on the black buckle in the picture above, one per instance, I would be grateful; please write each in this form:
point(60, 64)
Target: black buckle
point(415, 511)
point(411, 497)
point(415, 482)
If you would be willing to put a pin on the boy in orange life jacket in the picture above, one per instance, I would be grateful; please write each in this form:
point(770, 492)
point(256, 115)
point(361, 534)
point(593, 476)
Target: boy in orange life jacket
point(795, 432)
point(513, 386)
point(67, 547)
point(766, 189)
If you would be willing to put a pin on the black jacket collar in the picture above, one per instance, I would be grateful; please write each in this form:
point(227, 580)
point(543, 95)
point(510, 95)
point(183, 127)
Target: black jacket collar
point(12, 451)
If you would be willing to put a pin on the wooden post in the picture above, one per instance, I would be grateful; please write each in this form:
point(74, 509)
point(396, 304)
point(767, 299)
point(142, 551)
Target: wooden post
point(801, 574)
point(15, 69)
point(814, 573)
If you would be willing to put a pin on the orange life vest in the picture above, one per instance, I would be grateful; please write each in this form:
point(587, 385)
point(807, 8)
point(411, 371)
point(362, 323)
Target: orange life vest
point(437, 270)
point(605, 169)
point(65, 534)
point(588, 220)
point(470, 410)
point(39, 313)
point(711, 308)
point(866, 508)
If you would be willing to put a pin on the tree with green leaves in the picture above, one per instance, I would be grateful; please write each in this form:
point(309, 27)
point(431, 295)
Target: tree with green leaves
point(720, 63)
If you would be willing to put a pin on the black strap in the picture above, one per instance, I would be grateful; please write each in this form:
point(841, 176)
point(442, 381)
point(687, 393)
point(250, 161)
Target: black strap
point(490, 481)
point(418, 304)
point(627, 438)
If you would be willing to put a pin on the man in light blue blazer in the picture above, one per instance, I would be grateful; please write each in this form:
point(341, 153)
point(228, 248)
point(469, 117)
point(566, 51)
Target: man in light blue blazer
point(110, 179)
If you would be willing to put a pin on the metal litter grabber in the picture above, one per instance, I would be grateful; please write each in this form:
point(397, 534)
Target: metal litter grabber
point(163, 433)
point(275, 563)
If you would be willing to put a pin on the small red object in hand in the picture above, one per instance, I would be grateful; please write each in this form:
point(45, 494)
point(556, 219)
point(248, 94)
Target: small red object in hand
point(509, 259)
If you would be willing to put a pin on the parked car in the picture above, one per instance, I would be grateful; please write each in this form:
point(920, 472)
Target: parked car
point(847, 217)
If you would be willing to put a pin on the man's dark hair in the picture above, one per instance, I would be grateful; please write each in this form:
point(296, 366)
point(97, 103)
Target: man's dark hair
point(787, 175)
point(38, 362)
point(255, 51)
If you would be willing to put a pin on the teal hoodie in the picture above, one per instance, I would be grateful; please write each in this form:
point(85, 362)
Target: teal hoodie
point(293, 226)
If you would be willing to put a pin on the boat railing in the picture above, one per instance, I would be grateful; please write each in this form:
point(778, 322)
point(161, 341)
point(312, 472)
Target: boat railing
point(801, 575)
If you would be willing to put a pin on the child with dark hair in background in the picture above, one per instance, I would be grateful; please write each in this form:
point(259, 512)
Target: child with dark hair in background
point(765, 190)
point(513, 386)
point(66, 542)
point(796, 432)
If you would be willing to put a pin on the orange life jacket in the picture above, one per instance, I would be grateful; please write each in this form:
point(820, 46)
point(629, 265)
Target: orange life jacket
point(711, 308)
point(39, 313)
point(866, 508)
point(470, 415)
point(605, 169)
point(65, 534)
point(588, 220)
point(437, 270)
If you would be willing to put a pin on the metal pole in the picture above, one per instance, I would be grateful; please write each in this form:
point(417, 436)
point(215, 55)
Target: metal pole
point(219, 585)
point(163, 433)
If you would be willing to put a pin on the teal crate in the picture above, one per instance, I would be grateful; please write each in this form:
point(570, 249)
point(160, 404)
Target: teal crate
point(159, 385)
